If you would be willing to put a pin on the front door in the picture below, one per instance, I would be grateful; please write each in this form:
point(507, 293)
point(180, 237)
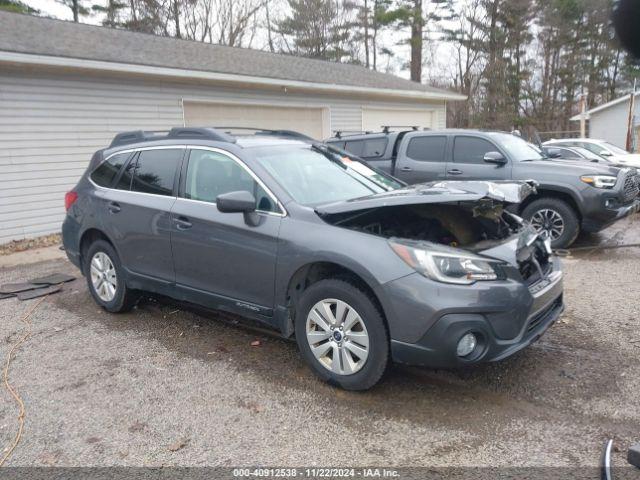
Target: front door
point(468, 160)
point(220, 258)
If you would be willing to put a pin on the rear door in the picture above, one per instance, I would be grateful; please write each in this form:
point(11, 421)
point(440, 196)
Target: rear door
point(136, 211)
point(468, 160)
point(373, 150)
point(422, 158)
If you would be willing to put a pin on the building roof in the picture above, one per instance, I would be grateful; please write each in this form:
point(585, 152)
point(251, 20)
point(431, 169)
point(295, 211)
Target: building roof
point(604, 106)
point(48, 38)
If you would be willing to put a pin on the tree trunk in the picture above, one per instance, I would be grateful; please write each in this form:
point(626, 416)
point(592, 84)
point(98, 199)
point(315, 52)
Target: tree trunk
point(416, 42)
point(176, 18)
point(365, 21)
point(75, 11)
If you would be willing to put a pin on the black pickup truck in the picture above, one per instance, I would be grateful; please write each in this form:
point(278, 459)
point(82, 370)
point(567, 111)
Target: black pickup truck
point(571, 196)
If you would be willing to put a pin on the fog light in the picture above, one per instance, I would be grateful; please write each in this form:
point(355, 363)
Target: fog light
point(466, 344)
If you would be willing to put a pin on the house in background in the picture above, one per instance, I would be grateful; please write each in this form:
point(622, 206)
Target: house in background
point(609, 121)
point(66, 89)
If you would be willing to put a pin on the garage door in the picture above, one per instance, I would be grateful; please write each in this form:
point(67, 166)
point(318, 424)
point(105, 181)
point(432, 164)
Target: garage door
point(373, 119)
point(310, 121)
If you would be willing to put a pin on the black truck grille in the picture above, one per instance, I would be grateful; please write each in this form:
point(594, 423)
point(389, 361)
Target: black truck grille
point(631, 187)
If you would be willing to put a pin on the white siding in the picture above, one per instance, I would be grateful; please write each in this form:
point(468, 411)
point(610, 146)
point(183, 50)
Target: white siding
point(610, 124)
point(51, 123)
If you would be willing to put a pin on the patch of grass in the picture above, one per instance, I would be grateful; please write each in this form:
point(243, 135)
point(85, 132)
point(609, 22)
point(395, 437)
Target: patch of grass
point(30, 243)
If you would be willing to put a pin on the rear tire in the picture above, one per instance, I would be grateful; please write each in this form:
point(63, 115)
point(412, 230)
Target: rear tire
point(106, 279)
point(349, 338)
point(556, 217)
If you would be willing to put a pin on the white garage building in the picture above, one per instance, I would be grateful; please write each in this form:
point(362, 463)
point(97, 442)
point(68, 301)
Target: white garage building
point(66, 89)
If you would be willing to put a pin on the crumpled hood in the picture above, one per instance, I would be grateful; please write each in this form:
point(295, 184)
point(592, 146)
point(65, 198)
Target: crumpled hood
point(500, 192)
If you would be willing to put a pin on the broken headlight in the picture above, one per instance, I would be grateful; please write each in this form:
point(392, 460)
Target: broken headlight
point(447, 265)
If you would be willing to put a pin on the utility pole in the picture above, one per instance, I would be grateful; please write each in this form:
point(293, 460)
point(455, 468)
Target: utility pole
point(632, 101)
point(583, 116)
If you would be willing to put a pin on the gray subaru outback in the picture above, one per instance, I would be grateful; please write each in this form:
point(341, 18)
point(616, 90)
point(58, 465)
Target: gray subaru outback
point(312, 242)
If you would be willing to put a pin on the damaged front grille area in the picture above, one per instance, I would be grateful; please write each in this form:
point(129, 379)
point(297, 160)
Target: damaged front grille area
point(537, 266)
point(540, 317)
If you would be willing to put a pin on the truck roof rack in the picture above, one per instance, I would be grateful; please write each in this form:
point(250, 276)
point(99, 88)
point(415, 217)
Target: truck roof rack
point(351, 133)
point(387, 128)
point(137, 136)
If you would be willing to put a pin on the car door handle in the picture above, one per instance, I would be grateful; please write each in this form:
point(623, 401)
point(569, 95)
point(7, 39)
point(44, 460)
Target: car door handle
point(454, 171)
point(183, 223)
point(114, 207)
point(406, 169)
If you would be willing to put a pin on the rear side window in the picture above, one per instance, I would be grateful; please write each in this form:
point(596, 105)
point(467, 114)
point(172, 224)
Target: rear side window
point(427, 149)
point(370, 148)
point(155, 171)
point(210, 174)
point(471, 149)
point(108, 170)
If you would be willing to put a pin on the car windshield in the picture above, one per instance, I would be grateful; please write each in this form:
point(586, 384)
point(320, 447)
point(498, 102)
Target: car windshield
point(518, 149)
point(613, 149)
point(313, 175)
point(588, 154)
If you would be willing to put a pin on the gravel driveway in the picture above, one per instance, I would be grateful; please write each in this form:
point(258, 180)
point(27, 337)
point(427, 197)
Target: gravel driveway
point(164, 386)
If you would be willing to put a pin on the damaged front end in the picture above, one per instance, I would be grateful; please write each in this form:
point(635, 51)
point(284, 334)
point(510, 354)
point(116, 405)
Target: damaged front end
point(486, 284)
point(429, 225)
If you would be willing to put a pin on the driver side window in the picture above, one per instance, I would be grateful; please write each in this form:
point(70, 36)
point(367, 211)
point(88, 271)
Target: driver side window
point(210, 174)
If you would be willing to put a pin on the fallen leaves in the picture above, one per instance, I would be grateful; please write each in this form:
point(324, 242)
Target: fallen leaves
point(178, 445)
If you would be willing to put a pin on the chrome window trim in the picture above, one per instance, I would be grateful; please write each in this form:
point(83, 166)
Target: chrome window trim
point(283, 211)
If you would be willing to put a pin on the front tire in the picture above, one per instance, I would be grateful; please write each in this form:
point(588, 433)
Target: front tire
point(556, 217)
point(341, 333)
point(105, 278)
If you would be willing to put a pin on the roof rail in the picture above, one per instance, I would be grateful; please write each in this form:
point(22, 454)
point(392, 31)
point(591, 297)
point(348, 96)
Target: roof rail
point(135, 136)
point(266, 131)
point(200, 133)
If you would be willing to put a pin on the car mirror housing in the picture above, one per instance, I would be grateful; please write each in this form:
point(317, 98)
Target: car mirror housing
point(606, 153)
point(236, 202)
point(495, 157)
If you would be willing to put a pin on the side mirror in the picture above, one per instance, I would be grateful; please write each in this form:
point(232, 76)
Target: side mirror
point(495, 157)
point(606, 153)
point(553, 153)
point(236, 202)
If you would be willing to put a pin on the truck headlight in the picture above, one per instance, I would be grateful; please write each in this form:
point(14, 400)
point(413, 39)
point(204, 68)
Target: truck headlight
point(446, 265)
point(599, 181)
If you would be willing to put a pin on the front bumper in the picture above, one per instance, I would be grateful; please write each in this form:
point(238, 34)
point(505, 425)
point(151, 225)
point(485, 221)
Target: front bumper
point(505, 317)
point(601, 218)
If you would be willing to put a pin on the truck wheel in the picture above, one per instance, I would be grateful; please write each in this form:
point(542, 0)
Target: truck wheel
point(341, 334)
point(555, 217)
point(105, 278)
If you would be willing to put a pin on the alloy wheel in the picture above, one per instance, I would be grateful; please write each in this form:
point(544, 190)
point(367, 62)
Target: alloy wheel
point(103, 276)
point(337, 336)
point(548, 221)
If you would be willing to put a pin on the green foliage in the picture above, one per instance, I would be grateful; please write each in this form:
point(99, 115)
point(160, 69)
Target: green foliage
point(318, 28)
point(17, 6)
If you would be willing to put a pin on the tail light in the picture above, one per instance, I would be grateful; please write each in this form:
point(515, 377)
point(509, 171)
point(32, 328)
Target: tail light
point(69, 199)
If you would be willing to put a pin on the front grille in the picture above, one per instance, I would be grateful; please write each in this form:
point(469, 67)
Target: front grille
point(540, 317)
point(528, 268)
point(631, 187)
